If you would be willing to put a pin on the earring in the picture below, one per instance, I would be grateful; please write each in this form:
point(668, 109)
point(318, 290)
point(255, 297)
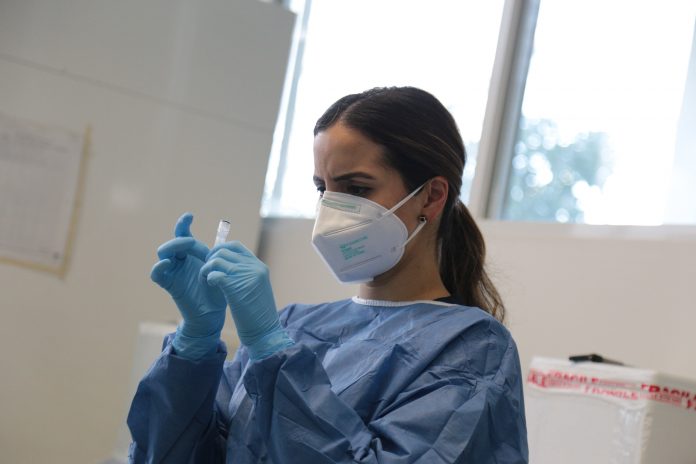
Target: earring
point(422, 219)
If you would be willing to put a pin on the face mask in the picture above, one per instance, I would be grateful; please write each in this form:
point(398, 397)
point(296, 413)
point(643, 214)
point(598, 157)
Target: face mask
point(357, 238)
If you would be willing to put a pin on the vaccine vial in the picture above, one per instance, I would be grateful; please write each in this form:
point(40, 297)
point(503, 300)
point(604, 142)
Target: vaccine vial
point(222, 232)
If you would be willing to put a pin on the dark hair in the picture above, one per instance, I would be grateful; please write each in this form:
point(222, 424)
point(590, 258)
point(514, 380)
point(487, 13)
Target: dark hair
point(421, 140)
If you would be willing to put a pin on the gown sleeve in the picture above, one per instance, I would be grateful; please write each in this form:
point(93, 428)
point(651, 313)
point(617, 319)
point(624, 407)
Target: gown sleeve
point(172, 417)
point(446, 415)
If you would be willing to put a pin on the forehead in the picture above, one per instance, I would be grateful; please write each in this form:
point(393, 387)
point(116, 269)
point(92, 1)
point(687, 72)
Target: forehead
point(339, 149)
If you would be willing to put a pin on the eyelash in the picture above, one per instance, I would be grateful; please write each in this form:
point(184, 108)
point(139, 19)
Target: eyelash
point(351, 189)
point(357, 190)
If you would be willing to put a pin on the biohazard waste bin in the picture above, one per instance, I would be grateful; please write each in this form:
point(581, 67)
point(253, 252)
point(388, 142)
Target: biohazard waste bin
point(587, 412)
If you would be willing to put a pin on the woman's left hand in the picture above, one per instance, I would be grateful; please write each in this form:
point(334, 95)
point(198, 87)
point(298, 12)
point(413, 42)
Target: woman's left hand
point(245, 282)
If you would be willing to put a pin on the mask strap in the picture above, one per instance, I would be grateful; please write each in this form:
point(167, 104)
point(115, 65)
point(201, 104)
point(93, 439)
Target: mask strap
point(423, 221)
point(408, 197)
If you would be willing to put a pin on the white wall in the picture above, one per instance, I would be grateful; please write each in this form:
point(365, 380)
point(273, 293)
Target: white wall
point(182, 98)
point(626, 293)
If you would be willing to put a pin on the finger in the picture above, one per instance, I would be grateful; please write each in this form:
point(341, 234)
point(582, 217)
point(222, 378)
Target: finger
point(219, 265)
point(230, 256)
point(178, 247)
point(183, 229)
point(223, 253)
point(215, 278)
point(234, 246)
point(183, 225)
point(159, 271)
point(200, 250)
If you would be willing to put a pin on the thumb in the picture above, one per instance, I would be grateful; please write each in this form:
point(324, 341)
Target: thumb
point(216, 278)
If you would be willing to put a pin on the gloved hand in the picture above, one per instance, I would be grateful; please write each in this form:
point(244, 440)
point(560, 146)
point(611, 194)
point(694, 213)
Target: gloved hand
point(201, 306)
point(244, 281)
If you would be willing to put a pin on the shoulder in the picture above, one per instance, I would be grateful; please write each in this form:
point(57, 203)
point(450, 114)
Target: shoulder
point(469, 322)
point(480, 344)
point(480, 320)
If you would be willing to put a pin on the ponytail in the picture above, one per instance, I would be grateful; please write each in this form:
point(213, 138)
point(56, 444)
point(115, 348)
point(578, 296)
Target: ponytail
point(462, 258)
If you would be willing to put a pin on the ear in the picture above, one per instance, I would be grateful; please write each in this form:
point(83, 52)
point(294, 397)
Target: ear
point(434, 197)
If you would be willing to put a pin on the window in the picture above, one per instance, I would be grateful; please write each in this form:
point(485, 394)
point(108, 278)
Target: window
point(606, 132)
point(590, 116)
point(446, 47)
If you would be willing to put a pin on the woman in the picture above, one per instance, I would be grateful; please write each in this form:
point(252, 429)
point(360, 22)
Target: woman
point(416, 368)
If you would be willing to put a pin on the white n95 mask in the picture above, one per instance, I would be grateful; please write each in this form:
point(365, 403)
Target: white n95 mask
point(357, 238)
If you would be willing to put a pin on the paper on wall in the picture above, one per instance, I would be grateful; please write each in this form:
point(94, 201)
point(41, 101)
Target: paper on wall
point(40, 184)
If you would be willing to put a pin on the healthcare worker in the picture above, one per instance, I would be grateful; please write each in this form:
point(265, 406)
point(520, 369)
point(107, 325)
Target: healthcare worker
point(417, 368)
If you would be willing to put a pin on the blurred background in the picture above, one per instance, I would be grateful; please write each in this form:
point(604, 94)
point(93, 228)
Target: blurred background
point(579, 120)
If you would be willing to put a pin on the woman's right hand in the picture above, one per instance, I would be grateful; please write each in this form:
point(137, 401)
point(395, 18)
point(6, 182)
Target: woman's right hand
point(203, 307)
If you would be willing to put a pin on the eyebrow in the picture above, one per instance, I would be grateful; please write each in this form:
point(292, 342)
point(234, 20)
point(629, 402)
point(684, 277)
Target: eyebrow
point(346, 176)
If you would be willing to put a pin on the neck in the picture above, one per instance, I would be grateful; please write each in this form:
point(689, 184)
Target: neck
point(415, 277)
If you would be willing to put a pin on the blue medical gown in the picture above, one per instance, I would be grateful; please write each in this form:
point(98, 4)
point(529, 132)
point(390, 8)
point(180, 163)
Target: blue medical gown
point(366, 382)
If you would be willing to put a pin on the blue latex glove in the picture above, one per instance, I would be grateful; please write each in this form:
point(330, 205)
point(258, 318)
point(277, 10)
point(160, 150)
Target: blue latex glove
point(244, 281)
point(201, 306)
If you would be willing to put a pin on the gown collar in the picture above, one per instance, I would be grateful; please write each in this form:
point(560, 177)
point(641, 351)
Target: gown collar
point(447, 301)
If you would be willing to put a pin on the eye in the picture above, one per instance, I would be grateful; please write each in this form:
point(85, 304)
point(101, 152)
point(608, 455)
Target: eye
point(357, 190)
point(321, 189)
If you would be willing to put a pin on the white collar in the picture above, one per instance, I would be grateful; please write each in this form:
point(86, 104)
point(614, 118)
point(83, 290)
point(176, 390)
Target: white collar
point(365, 302)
